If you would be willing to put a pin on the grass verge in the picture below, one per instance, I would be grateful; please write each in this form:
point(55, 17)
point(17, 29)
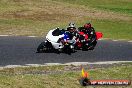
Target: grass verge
point(121, 6)
point(61, 76)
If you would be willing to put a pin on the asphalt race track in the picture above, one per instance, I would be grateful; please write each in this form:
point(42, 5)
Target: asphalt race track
point(22, 51)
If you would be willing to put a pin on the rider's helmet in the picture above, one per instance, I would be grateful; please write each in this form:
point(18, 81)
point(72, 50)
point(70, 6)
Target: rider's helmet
point(71, 27)
point(87, 25)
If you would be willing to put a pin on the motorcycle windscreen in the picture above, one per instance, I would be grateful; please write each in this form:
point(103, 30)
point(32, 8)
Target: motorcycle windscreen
point(99, 35)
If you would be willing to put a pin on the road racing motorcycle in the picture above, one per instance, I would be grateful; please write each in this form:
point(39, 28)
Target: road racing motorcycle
point(84, 43)
point(57, 40)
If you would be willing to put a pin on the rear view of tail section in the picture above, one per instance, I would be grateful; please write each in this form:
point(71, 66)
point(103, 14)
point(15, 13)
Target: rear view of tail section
point(99, 35)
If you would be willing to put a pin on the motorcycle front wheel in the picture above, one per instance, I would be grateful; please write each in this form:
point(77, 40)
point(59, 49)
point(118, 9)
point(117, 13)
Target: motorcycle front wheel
point(92, 46)
point(41, 47)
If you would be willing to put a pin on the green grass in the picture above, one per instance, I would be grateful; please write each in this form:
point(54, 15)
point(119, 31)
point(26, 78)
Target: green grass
point(65, 79)
point(123, 6)
point(114, 29)
point(31, 17)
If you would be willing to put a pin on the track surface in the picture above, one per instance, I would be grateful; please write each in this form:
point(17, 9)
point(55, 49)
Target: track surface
point(22, 51)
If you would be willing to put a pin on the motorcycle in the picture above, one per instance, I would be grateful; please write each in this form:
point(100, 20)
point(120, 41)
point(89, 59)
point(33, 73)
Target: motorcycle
point(84, 43)
point(56, 40)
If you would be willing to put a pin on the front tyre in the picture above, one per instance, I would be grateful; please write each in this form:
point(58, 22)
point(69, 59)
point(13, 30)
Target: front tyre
point(92, 46)
point(41, 47)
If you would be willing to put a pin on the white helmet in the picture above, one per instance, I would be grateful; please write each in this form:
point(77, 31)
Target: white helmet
point(72, 25)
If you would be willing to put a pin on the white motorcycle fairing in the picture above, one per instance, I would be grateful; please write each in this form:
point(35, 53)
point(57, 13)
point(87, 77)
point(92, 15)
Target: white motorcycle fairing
point(53, 39)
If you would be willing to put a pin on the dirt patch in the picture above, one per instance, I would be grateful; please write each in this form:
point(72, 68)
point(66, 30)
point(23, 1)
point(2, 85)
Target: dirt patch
point(38, 15)
point(95, 14)
point(55, 11)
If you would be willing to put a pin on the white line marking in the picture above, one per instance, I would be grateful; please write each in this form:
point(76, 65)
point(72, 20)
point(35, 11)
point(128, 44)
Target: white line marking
point(115, 40)
point(52, 64)
point(129, 41)
point(32, 36)
point(16, 36)
point(4, 35)
point(105, 62)
point(70, 63)
point(103, 39)
point(100, 39)
point(36, 65)
point(13, 66)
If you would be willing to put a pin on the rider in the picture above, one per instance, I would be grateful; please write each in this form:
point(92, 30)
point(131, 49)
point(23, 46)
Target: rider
point(88, 29)
point(72, 30)
point(69, 34)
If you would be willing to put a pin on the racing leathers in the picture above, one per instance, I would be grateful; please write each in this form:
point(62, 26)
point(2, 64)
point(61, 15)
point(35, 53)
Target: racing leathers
point(88, 31)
